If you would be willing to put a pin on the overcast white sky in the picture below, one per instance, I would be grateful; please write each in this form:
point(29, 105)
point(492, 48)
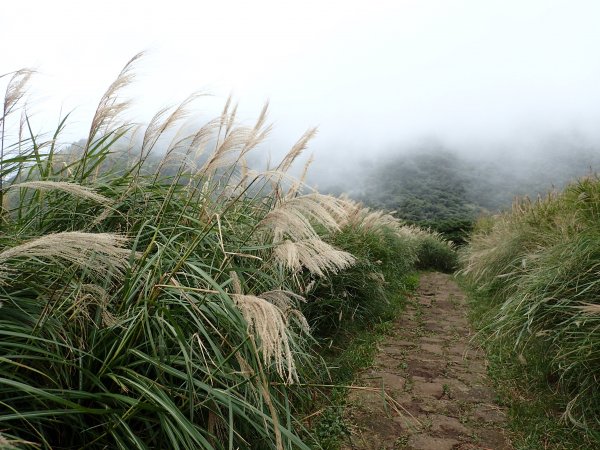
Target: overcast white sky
point(368, 73)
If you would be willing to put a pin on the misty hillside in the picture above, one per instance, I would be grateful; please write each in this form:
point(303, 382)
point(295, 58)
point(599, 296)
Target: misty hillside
point(446, 190)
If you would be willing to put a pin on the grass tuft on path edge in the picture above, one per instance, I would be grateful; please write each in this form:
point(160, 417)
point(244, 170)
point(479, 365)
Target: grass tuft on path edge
point(535, 421)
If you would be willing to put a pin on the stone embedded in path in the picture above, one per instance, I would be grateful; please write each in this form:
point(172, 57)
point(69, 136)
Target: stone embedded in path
point(487, 414)
point(392, 381)
point(404, 344)
point(441, 423)
point(394, 351)
point(435, 349)
point(433, 339)
point(428, 369)
point(420, 387)
point(425, 302)
point(427, 442)
point(476, 394)
point(460, 349)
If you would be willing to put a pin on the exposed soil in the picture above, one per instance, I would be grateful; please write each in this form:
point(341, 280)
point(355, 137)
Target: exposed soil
point(428, 388)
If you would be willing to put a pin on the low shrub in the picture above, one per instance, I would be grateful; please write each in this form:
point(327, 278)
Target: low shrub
point(436, 253)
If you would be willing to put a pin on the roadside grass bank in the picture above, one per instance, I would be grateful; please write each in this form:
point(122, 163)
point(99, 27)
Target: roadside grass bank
point(535, 405)
point(155, 291)
point(534, 274)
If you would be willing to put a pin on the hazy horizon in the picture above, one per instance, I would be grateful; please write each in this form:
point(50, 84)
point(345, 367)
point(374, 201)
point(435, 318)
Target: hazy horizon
point(483, 78)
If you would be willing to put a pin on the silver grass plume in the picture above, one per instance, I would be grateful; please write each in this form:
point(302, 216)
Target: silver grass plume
point(286, 302)
point(276, 177)
point(268, 323)
point(110, 105)
point(15, 90)
point(297, 150)
point(298, 184)
point(161, 122)
point(297, 244)
point(228, 151)
point(268, 316)
point(317, 256)
point(10, 444)
point(589, 308)
point(74, 189)
point(294, 217)
point(237, 141)
point(100, 253)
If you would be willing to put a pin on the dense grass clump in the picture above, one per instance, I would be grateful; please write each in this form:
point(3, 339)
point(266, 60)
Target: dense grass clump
point(539, 264)
point(155, 291)
point(434, 252)
point(385, 250)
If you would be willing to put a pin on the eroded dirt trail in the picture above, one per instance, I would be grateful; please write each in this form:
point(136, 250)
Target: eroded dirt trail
point(433, 380)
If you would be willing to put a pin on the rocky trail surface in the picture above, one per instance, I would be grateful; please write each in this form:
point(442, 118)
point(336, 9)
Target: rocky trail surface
point(428, 388)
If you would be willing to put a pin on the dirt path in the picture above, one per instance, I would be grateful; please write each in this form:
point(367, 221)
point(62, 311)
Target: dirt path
point(437, 396)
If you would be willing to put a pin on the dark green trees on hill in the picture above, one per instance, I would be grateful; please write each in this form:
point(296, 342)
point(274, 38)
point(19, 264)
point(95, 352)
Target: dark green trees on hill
point(446, 191)
point(429, 188)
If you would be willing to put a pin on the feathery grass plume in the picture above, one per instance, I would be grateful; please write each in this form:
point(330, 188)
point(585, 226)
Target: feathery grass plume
point(292, 217)
point(15, 90)
point(589, 308)
point(267, 317)
point(277, 177)
point(110, 105)
point(287, 302)
point(282, 299)
point(300, 182)
point(228, 151)
point(236, 142)
point(268, 322)
point(160, 124)
point(10, 444)
point(93, 295)
point(74, 189)
point(260, 131)
point(361, 216)
point(99, 253)
point(296, 150)
point(317, 256)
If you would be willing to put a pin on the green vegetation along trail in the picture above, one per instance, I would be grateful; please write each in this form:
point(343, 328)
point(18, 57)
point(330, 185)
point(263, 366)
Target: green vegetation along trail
point(428, 387)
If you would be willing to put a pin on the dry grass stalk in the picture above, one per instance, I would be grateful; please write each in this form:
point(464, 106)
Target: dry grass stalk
point(93, 295)
point(100, 253)
point(161, 124)
point(286, 302)
point(276, 177)
point(74, 189)
point(10, 444)
point(366, 218)
point(236, 141)
point(258, 133)
point(589, 308)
